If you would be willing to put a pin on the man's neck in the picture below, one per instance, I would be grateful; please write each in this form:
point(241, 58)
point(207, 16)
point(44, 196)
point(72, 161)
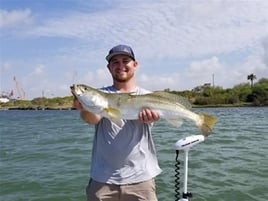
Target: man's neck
point(125, 86)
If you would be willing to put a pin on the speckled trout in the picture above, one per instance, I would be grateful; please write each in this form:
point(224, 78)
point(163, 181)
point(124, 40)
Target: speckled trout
point(117, 106)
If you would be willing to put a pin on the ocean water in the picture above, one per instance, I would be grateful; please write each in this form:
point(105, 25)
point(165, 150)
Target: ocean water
point(45, 156)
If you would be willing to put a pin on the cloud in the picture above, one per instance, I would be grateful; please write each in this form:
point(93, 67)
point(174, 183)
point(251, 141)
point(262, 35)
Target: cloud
point(157, 82)
point(265, 51)
point(162, 30)
point(15, 18)
point(203, 71)
point(225, 74)
point(203, 67)
point(5, 66)
point(39, 70)
point(192, 39)
point(98, 78)
point(254, 64)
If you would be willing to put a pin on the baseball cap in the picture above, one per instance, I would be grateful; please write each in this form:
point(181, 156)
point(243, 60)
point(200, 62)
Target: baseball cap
point(120, 49)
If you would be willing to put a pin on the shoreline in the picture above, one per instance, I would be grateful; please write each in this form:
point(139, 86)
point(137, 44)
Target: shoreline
point(37, 108)
point(72, 108)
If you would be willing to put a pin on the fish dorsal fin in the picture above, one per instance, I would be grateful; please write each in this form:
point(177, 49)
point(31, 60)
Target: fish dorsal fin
point(173, 97)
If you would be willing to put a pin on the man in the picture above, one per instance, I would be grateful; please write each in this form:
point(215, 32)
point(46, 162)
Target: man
point(124, 161)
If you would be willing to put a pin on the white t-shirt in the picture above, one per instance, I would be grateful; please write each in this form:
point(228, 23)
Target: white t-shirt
point(123, 155)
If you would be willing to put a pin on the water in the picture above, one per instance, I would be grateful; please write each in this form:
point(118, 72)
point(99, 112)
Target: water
point(44, 156)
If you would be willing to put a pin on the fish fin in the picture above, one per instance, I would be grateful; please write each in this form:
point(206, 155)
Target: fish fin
point(173, 97)
point(112, 112)
point(175, 122)
point(113, 115)
point(207, 123)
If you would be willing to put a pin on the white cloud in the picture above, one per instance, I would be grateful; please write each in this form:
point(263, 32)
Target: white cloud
point(5, 67)
point(226, 74)
point(157, 82)
point(39, 70)
point(98, 78)
point(203, 71)
point(204, 67)
point(265, 50)
point(200, 33)
point(177, 29)
point(160, 30)
point(254, 64)
point(15, 18)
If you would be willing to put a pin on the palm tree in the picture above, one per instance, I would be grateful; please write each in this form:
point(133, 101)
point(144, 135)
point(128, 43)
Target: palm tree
point(252, 77)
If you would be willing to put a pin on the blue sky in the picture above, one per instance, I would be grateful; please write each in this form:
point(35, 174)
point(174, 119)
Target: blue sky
point(179, 44)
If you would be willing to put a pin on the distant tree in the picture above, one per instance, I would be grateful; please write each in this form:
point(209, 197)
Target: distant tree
point(167, 90)
point(242, 91)
point(259, 95)
point(252, 77)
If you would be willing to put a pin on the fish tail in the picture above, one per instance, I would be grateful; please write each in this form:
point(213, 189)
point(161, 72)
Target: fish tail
point(207, 123)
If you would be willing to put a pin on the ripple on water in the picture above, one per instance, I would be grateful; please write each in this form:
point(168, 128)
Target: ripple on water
point(44, 156)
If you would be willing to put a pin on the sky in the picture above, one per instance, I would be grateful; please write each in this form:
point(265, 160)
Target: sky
point(49, 45)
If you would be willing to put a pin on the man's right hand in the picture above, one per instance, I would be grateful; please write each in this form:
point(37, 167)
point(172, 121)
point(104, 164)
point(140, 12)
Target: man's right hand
point(76, 104)
point(87, 116)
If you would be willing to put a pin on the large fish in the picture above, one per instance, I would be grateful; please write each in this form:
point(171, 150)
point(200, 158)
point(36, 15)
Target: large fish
point(117, 106)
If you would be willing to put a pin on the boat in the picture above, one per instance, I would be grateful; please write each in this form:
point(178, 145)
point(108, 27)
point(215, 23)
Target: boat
point(4, 99)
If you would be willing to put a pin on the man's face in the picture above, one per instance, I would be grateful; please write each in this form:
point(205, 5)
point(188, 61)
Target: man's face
point(122, 68)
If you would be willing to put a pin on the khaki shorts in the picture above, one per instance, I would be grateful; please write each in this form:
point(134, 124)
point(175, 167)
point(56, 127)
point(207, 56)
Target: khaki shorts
point(143, 191)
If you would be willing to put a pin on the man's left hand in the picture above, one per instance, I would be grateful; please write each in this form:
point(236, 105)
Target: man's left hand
point(148, 116)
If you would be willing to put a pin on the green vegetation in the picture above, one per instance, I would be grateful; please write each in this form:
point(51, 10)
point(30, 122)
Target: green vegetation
point(40, 103)
point(240, 95)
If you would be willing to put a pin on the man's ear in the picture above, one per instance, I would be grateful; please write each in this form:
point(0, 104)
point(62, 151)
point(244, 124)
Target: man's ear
point(108, 68)
point(136, 64)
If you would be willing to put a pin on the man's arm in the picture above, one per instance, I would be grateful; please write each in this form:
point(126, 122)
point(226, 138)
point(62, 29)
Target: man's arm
point(89, 117)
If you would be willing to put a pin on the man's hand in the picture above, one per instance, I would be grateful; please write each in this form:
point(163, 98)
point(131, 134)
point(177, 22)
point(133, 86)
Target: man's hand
point(148, 116)
point(77, 105)
point(87, 116)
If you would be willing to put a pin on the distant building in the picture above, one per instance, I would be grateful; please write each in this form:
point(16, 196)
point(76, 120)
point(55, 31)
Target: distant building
point(200, 89)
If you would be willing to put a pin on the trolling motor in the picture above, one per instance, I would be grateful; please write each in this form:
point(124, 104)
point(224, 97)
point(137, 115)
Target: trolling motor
point(184, 144)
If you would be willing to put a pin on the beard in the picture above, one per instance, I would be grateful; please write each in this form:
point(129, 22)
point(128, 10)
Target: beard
point(122, 78)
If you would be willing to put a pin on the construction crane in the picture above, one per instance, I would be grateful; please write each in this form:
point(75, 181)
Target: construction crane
point(20, 91)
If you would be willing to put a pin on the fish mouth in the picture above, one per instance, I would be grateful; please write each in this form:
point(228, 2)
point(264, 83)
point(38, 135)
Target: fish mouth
point(73, 89)
point(77, 90)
